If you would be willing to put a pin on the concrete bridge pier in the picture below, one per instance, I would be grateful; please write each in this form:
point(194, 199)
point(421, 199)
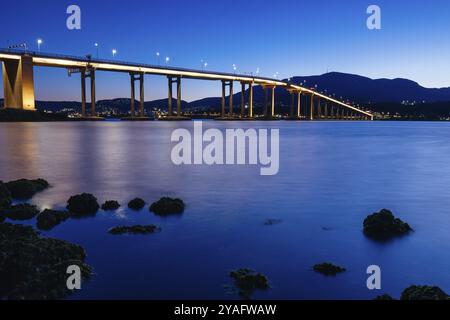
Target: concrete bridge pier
point(242, 99)
point(88, 73)
point(250, 100)
point(83, 92)
point(171, 81)
point(319, 108)
point(223, 114)
point(92, 76)
point(18, 83)
point(311, 108)
point(299, 102)
point(269, 111)
point(141, 98)
point(230, 109)
point(133, 78)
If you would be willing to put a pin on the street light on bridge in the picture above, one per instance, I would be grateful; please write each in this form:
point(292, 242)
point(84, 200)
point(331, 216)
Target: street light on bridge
point(96, 48)
point(167, 61)
point(158, 59)
point(39, 42)
point(114, 52)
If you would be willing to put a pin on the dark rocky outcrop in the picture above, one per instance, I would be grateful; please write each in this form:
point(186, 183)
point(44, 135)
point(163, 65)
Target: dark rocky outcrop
point(25, 189)
point(32, 267)
point(48, 219)
point(383, 226)
point(166, 206)
point(384, 297)
point(138, 229)
point(136, 204)
point(424, 293)
point(82, 204)
point(23, 211)
point(110, 205)
point(247, 281)
point(5, 196)
point(271, 222)
point(328, 269)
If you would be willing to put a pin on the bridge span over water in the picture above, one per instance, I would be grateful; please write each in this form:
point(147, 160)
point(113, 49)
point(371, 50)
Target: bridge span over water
point(18, 83)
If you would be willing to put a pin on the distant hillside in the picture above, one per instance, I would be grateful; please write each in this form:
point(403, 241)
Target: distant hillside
point(381, 95)
point(364, 90)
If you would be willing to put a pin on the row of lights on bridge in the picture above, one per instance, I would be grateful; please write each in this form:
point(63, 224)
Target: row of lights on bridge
point(204, 65)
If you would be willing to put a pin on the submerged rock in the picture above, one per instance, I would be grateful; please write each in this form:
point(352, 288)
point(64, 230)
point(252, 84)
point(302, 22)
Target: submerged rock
point(25, 189)
point(166, 206)
point(48, 219)
point(5, 196)
point(138, 229)
point(110, 205)
point(136, 204)
point(424, 293)
point(271, 222)
point(247, 281)
point(32, 267)
point(384, 297)
point(23, 211)
point(328, 269)
point(383, 226)
point(83, 204)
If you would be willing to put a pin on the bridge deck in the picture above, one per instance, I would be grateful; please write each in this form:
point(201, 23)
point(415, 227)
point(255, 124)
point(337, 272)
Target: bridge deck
point(67, 61)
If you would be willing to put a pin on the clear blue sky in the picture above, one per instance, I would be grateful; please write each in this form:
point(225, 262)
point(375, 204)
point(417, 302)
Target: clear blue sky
point(291, 37)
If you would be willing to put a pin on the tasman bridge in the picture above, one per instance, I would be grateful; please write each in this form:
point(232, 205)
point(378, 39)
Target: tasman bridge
point(18, 83)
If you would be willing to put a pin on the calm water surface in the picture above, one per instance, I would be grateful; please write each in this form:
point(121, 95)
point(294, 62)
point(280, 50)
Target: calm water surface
point(332, 175)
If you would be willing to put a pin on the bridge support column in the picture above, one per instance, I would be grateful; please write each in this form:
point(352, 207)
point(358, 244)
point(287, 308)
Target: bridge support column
point(132, 79)
point(272, 107)
point(299, 102)
point(326, 110)
point(242, 99)
point(222, 113)
point(92, 76)
point(230, 108)
point(83, 92)
point(141, 98)
point(291, 111)
point(250, 100)
point(319, 109)
point(169, 101)
point(311, 108)
point(18, 83)
point(178, 97)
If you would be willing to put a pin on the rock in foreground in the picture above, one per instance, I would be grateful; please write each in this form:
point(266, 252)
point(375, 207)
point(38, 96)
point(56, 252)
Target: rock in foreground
point(166, 206)
point(5, 196)
point(424, 293)
point(328, 269)
point(384, 297)
point(247, 281)
point(136, 204)
point(83, 204)
point(20, 212)
point(138, 229)
point(32, 267)
point(110, 205)
point(48, 219)
point(383, 226)
point(271, 222)
point(25, 189)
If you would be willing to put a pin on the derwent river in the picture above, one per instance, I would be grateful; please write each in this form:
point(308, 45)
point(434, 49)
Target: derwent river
point(331, 176)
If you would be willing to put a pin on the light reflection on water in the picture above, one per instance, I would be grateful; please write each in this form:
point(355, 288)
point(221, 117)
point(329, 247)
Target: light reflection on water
point(332, 174)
